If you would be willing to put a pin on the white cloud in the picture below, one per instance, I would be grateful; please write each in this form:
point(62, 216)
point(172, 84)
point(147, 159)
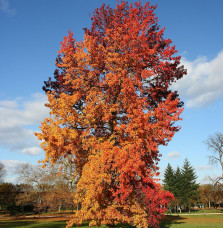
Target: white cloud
point(204, 168)
point(32, 151)
point(172, 155)
point(11, 170)
point(8, 104)
point(11, 165)
point(203, 84)
point(15, 138)
point(17, 119)
point(20, 113)
point(5, 7)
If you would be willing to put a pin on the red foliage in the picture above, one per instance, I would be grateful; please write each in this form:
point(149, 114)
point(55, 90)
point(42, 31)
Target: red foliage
point(112, 107)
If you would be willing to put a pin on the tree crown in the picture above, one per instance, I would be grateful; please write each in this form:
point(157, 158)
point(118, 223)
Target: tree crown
point(111, 107)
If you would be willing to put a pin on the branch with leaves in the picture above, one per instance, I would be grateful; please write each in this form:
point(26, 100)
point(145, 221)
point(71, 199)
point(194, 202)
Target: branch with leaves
point(111, 108)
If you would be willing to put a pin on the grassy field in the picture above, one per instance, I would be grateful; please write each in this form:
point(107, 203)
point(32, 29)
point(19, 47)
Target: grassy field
point(188, 221)
point(169, 221)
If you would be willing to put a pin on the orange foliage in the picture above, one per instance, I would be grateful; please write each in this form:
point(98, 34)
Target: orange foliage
point(111, 107)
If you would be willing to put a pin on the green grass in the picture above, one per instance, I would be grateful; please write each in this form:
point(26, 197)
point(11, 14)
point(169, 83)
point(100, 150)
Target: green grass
point(169, 221)
point(36, 224)
point(41, 224)
point(31, 224)
point(187, 221)
point(209, 211)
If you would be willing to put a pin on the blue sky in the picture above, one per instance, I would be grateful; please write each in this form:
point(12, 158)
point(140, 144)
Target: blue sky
point(31, 32)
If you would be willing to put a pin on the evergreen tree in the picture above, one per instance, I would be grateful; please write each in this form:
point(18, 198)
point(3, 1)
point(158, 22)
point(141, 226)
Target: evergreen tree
point(189, 185)
point(178, 190)
point(178, 183)
point(169, 182)
point(182, 183)
point(169, 178)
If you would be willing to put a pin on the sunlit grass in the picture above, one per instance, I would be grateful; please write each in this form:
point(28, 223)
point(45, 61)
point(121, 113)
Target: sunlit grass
point(192, 221)
point(169, 221)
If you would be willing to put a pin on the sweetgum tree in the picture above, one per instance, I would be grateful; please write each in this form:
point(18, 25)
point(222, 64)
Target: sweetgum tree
point(111, 107)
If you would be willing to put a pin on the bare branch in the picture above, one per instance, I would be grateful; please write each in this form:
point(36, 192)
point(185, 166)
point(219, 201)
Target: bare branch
point(215, 144)
point(2, 171)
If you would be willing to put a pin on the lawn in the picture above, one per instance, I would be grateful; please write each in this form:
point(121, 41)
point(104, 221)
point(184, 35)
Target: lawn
point(187, 221)
point(169, 221)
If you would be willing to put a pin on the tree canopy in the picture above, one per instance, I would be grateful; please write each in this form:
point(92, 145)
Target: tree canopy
point(111, 108)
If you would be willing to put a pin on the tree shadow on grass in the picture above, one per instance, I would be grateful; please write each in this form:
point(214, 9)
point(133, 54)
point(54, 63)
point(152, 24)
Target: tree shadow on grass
point(16, 223)
point(169, 220)
point(124, 226)
point(166, 222)
point(51, 224)
point(56, 224)
point(85, 224)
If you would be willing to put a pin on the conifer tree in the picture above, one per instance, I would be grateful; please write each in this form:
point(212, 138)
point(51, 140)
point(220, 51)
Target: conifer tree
point(178, 187)
point(182, 183)
point(169, 178)
point(190, 192)
point(178, 183)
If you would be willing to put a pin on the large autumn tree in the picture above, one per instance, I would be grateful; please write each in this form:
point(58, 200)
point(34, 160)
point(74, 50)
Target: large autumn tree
point(111, 107)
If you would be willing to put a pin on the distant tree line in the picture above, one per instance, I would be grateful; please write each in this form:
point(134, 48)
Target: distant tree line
point(39, 190)
point(212, 193)
point(52, 188)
